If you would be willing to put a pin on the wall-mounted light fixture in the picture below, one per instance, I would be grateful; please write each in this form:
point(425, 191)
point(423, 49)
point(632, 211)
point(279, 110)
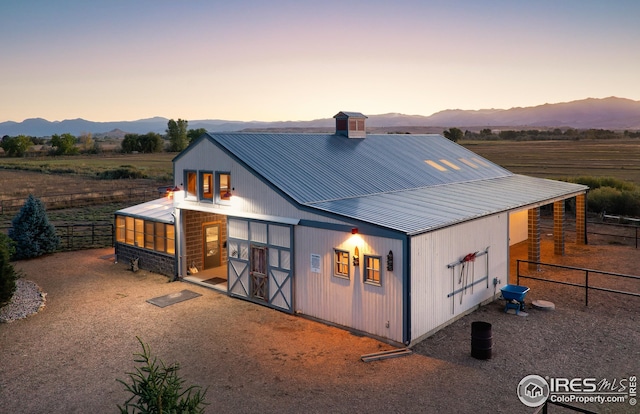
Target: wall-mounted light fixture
point(356, 257)
point(390, 261)
point(171, 191)
point(354, 230)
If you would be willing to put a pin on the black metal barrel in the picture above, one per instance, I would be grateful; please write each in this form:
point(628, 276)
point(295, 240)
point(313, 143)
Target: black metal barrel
point(481, 340)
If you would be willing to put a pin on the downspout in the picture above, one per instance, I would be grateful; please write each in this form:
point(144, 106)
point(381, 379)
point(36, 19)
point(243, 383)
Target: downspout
point(177, 243)
point(406, 290)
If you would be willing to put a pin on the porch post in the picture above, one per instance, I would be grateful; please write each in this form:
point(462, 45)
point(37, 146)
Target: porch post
point(581, 220)
point(558, 228)
point(533, 249)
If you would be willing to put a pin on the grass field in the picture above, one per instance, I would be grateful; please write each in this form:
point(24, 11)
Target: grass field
point(157, 166)
point(565, 159)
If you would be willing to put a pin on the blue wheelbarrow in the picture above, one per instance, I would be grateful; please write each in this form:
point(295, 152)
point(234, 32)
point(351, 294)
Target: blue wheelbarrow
point(514, 295)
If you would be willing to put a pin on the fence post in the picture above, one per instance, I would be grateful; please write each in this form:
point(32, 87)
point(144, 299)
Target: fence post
point(586, 288)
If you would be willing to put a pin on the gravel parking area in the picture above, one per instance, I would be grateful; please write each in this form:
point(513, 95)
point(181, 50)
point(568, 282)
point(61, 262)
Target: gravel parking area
point(67, 357)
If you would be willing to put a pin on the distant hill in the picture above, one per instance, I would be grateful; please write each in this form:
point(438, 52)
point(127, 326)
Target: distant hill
point(607, 113)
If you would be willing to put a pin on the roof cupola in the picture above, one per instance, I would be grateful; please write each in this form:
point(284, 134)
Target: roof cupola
point(350, 124)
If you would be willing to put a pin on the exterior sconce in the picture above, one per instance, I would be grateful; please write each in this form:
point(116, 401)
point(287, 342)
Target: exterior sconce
point(356, 257)
point(171, 192)
point(390, 261)
point(227, 194)
point(354, 230)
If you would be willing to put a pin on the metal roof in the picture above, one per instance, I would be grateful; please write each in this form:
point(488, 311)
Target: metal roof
point(350, 114)
point(319, 167)
point(408, 183)
point(425, 209)
point(156, 210)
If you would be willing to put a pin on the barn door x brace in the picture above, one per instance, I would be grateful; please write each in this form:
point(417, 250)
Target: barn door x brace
point(466, 270)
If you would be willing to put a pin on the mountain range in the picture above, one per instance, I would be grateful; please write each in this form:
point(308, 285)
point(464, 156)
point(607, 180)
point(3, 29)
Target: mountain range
point(607, 113)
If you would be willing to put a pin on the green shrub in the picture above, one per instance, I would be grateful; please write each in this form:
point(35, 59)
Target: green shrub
point(124, 172)
point(32, 232)
point(611, 195)
point(157, 388)
point(8, 275)
point(614, 201)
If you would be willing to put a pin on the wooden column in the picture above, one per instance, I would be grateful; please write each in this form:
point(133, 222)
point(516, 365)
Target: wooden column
point(558, 228)
point(581, 219)
point(534, 238)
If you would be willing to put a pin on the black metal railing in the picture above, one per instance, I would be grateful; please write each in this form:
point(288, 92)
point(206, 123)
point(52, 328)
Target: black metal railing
point(586, 285)
point(631, 232)
point(85, 236)
point(82, 236)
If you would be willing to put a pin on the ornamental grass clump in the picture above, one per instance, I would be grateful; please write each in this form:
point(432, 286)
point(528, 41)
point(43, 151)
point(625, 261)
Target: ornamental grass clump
point(157, 388)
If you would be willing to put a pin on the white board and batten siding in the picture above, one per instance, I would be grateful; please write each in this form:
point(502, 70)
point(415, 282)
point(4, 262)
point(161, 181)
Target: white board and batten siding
point(432, 281)
point(350, 302)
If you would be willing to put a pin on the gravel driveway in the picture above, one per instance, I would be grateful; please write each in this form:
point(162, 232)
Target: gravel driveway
point(66, 358)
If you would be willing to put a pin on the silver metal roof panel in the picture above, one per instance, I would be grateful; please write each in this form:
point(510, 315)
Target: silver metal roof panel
point(425, 209)
point(156, 210)
point(311, 168)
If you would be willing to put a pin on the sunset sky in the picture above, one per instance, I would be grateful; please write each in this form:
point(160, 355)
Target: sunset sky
point(282, 60)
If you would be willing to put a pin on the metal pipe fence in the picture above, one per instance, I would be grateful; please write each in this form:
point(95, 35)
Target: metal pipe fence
point(586, 285)
point(82, 236)
point(61, 201)
point(630, 231)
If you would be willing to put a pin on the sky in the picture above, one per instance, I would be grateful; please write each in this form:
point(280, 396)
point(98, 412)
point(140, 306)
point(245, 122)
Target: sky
point(279, 60)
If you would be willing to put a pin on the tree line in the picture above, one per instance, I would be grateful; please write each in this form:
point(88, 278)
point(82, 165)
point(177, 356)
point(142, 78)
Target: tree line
point(488, 134)
point(178, 136)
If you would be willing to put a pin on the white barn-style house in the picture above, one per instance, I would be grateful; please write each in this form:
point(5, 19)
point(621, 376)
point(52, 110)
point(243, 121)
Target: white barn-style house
point(392, 235)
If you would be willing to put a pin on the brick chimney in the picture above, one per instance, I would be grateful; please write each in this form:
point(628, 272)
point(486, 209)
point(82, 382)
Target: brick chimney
point(350, 124)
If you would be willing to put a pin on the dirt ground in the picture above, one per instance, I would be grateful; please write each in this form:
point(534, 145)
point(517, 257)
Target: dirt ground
point(66, 358)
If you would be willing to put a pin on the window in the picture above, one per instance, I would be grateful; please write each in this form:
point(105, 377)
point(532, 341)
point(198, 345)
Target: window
point(139, 233)
point(170, 244)
point(191, 184)
point(224, 187)
point(147, 234)
point(120, 229)
point(160, 237)
point(341, 263)
point(372, 270)
point(206, 186)
point(129, 230)
point(149, 239)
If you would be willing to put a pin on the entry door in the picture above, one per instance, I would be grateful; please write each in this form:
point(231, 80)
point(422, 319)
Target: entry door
point(259, 277)
point(211, 245)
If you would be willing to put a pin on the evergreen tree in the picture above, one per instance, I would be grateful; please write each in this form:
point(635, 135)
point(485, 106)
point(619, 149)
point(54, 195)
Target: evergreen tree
point(8, 275)
point(32, 232)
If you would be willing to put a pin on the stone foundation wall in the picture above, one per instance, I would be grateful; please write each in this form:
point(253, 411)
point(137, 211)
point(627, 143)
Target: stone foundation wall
point(148, 260)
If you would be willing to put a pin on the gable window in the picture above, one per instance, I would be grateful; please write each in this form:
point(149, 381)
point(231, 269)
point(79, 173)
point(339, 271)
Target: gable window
point(372, 270)
point(191, 184)
point(223, 180)
point(341, 263)
point(206, 186)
